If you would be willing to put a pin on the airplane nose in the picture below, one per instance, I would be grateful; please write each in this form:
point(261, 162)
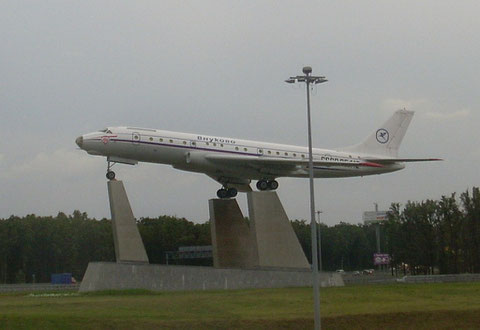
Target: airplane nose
point(79, 141)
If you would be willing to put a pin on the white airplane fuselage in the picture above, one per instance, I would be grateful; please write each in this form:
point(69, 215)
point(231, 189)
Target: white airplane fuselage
point(189, 152)
point(232, 161)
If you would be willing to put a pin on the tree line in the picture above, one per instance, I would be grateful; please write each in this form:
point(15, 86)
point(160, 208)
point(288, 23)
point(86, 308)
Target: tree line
point(436, 236)
point(421, 237)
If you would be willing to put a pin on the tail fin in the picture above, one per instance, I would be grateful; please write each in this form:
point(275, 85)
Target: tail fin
point(386, 140)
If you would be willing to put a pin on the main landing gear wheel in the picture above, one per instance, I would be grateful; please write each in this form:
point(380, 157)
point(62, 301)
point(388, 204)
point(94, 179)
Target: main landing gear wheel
point(110, 175)
point(222, 193)
point(227, 193)
point(272, 185)
point(232, 192)
point(263, 185)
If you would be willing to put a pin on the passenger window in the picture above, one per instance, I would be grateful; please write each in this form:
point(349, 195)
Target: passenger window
point(171, 141)
point(278, 153)
point(184, 142)
point(161, 140)
point(245, 149)
point(151, 139)
point(269, 152)
point(236, 148)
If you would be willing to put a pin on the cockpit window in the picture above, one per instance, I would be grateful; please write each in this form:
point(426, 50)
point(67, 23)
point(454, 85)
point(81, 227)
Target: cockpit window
point(106, 130)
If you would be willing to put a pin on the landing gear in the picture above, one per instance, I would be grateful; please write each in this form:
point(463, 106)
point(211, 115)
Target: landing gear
point(227, 193)
point(232, 192)
point(272, 185)
point(263, 185)
point(110, 174)
point(222, 193)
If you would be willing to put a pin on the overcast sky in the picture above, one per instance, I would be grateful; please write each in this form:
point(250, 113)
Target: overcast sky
point(218, 68)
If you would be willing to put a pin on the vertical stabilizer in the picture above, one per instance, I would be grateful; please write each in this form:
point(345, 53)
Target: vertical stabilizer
point(386, 139)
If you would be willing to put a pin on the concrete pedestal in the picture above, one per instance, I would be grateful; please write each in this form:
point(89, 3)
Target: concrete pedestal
point(268, 242)
point(275, 243)
point(230, 235)
point(264, 254)
point(126, 238)
point(114, 276)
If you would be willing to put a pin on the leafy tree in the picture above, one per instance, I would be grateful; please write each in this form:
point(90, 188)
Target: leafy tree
point(449, 226)
point(471, 233)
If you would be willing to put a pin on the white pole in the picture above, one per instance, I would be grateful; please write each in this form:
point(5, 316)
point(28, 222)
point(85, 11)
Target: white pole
point(319, 240)
point(313, 223)
point(308, 79)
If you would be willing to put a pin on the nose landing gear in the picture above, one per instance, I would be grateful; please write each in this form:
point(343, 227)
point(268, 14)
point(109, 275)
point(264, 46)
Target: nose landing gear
point(110, 174)
point(263, 185)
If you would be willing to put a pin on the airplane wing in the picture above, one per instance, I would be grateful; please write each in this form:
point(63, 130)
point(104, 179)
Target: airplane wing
point(285, 163)
point(387, 161)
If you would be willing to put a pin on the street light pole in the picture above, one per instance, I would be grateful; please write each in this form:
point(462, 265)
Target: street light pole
point(309, 79)
point(319, 235)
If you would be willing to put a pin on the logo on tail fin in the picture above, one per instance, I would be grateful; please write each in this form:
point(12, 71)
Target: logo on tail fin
point(382, 136)
point(386, 140)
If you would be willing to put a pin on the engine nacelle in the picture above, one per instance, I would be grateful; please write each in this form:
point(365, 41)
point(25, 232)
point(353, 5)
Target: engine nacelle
point(195, 162)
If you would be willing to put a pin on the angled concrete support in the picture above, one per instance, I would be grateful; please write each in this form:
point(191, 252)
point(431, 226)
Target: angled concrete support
point(268, 242)
point(230, 235)
point(128, 243)
point(275, 243)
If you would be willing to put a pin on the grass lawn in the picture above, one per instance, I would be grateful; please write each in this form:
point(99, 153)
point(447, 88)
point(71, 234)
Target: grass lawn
point(400, 306)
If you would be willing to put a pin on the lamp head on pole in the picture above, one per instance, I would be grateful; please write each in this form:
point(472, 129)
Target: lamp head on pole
point(307, 78)
point(307, 70)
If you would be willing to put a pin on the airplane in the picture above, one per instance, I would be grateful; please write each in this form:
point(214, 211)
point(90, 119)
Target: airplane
point(234, 163)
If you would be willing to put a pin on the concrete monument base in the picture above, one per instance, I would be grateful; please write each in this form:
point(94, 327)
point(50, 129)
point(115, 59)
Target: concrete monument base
point(264, 253)
point(115, 276)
